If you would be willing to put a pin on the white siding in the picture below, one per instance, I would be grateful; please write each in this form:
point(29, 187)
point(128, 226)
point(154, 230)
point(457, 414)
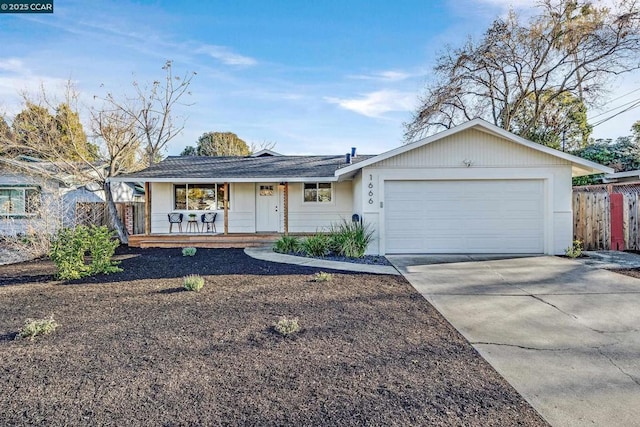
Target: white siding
point(481, 148)
point(242, 209)
point(311, 217)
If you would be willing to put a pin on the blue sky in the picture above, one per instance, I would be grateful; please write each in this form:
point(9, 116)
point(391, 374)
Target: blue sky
point(314, 77)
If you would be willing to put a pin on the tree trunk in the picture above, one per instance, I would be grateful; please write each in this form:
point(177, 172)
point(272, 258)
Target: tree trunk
point(112, 214)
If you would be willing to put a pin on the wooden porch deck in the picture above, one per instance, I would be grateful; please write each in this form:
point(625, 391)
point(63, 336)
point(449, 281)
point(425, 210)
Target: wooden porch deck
point(202, 240)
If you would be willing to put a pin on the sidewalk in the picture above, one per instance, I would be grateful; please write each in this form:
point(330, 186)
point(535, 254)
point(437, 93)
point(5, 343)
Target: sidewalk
point(265, 253)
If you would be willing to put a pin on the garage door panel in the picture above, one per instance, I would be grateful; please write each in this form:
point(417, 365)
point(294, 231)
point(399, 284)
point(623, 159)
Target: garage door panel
point(464, 216)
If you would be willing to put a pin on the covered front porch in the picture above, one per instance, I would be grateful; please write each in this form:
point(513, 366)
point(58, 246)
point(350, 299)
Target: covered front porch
point(232, 207)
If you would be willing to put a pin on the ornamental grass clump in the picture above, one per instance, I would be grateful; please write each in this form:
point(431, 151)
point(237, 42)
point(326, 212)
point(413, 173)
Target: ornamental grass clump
point(318, 245)
point(36, 327)
point(350, 238)
point(193, 282)
point(286, 326)
point(189, 251)
point(287, 245)
point(322, 277)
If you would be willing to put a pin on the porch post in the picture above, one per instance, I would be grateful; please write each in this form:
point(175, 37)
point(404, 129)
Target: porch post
point(147, 208)
point(286, 208)
point(226, 208)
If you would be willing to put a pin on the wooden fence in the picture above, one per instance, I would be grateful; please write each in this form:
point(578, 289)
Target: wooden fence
point(592, 215)
point(95, 213)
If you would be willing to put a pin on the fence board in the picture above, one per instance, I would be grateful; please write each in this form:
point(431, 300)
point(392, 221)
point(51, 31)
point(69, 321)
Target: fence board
point(592, 219)
point(633, 220)
point(90, 213)
point(592, 215)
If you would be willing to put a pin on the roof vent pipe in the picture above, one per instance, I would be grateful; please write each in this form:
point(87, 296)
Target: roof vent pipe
point(353, 152)
point(347, 159)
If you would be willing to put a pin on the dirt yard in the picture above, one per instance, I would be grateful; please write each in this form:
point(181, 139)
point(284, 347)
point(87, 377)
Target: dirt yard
point(133, 348)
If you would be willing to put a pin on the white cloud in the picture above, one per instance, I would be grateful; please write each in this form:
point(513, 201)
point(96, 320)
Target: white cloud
point(376, 104)
point(12, 65)
point(388, 76)
point(226, 56)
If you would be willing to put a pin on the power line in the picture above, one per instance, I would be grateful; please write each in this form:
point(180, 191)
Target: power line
point(636, 105)
point(621, 96)
point(614, 108)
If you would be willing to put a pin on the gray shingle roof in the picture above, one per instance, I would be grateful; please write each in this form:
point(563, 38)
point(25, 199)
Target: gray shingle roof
point(205, 167)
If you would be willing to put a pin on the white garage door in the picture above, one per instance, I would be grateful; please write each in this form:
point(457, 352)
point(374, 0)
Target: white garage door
point(501, 216)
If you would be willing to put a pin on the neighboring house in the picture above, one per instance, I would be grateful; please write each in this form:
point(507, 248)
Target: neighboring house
point(36, 195)
point(475, 188)
point(621, 177)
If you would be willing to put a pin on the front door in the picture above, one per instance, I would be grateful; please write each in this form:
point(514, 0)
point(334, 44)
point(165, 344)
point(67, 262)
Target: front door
point(267, 201)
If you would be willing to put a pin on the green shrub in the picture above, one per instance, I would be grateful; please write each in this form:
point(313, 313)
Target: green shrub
point(35, 327)
point(193, 282)
point(350, 238)
point(286, 326)
point(70, 245)
point(317, 245)
point(575, 250)
point(67, 252)
point(189, 251)
point(287, 245)
point(322, 277)
point(101, 246)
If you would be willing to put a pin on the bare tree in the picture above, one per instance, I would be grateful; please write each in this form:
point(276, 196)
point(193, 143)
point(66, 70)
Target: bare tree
point(152, 109)
point(264, 145)
point(518, 73)
point(120, 143)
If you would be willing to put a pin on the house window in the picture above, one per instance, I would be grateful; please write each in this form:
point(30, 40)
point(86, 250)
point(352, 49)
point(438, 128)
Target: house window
point(17, 201)
point(199, 197)
point(318, 192)
point(266, 190)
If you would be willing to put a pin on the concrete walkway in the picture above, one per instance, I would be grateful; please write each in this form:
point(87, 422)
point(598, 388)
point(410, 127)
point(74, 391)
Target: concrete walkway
point(267, 254)
point(565, 334)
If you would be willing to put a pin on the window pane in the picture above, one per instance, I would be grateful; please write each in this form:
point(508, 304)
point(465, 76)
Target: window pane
point(201, 197)
point(12, 201)
point(32, 200)
point(266, 190)
point(324, 192)
point(310, 193)
point(5, 202)
point(180, 197)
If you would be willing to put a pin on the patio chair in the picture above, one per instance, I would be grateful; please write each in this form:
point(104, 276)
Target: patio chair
point(209, 219)
point(175, 218)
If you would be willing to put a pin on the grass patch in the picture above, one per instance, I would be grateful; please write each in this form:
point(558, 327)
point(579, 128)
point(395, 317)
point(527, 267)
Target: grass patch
point(287, 326)
point(189, 251)
point(35, 327)
point(193, 282)
point(322, 277)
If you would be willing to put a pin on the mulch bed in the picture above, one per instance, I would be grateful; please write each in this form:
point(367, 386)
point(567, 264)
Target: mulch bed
point(633, 272)
point(133, 348)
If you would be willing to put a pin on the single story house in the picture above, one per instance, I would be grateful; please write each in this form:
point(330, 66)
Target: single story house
point(475, 188)
point(39, 196)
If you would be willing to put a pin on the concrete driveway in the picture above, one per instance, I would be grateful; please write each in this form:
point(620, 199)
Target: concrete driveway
point(566, 335)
